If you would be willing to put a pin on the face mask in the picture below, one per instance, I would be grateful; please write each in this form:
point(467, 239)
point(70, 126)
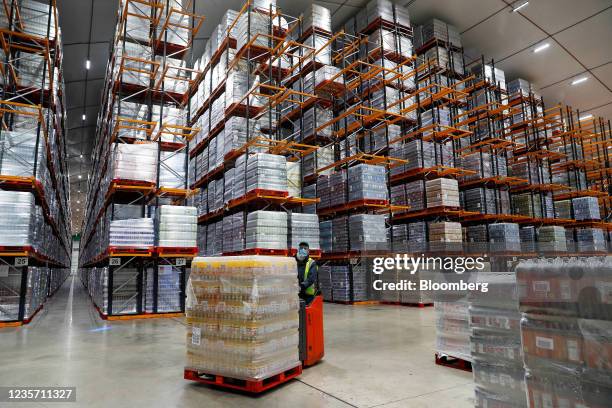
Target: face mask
point(302, 254)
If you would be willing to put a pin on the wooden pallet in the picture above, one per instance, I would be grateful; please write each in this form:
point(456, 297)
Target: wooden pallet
point(250, 386)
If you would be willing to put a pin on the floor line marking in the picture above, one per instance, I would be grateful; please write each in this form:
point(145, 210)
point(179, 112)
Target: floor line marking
point(327, 393)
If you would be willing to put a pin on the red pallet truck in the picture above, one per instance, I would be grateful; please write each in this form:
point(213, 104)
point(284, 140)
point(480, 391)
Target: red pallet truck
point(312, 348)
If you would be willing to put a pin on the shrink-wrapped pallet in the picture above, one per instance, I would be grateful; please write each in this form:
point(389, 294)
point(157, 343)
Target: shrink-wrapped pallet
point(317, 16)
point(442, 192)
point(304, 228)
point(266, 230)
point(242, 315)
point(17, 218)
point(586, 208)
point(453, 329)
point(367, 182)
point(134, 232)
point(367, 232)
point(266, 172)
point(136, 162)
point(177, 226)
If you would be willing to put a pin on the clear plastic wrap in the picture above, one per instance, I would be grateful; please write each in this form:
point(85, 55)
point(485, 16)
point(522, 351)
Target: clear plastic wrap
point(453, 329)
point(242, 315)
point(566, 331)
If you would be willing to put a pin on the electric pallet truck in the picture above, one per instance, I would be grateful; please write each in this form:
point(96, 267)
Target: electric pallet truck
point(312, 347)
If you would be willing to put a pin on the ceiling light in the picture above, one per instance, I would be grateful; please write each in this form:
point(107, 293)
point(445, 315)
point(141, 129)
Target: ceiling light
point(78, 210)
point(520, 6)
point(579, 80)
point(541, 47)
point(80, 176)
point(84, 117)
point(87, 64)
point(81, 156)
point(78, 191)
point(78, 202)
point(586, 117)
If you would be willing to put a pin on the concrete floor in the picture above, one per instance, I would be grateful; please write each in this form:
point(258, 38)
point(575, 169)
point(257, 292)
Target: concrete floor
point(376, 356)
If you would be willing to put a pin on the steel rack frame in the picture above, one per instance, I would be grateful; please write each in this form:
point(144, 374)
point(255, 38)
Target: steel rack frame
point(31, 102)
point(168, 40)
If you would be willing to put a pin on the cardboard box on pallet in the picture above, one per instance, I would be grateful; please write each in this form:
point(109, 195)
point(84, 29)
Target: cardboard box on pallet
point(485, 165)
point(563, 209)
point(398, 195)
point(399, 238)
point(168, 289)
point(478, 234)
point(319, 159)
point(538, 205)
point(444, 59)
point(311, 123)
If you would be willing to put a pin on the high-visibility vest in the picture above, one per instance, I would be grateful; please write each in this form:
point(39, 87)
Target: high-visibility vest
point(310, 291)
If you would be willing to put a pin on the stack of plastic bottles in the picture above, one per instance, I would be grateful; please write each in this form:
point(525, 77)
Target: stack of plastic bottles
point(499, 377)
point(566, 331)
point(242, 315)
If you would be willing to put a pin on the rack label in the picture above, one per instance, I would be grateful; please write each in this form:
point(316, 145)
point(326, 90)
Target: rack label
point(21, 261)
point(114, 261)
point(181, 261)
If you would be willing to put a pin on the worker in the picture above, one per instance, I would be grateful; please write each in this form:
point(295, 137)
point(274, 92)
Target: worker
point(307, 273)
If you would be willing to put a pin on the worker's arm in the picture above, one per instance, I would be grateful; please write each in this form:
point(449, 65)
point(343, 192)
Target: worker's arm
point(312, 276)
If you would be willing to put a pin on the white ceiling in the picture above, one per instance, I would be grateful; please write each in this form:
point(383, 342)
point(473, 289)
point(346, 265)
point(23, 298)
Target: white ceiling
point(579, 34)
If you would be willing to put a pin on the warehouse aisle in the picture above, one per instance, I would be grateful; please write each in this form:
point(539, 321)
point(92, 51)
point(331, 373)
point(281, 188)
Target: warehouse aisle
point(118, 363)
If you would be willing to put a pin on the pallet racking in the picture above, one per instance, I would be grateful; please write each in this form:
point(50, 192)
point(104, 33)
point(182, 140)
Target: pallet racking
point(33, 175)
point(132, 262)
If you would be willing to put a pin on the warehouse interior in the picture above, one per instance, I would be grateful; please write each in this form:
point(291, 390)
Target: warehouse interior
point(163, 162)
